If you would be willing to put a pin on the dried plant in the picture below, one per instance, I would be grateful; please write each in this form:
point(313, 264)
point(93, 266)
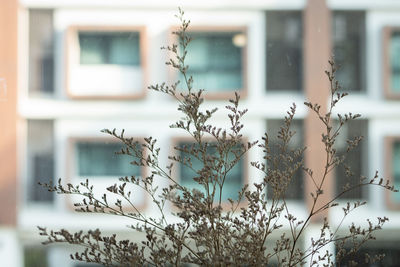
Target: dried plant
point(203, 231)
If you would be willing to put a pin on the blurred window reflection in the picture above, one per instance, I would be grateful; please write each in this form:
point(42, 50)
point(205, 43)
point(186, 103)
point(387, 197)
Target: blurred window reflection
point(357, 159)
point(284, 50)
point(373, 248)
point(394, 51)
point(396, 170)
point(35, 257)
point(88, 265)
point(216, 60)
point(296, 188)
point(233, 182)
point(349, 48)
point(120, 48)
point(96, 159)
point(40, 159)
point(41, 55)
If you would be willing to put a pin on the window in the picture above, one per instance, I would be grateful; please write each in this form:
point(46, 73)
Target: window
point(376, 247)
point(41, 56)
point(95, 159)
point(88, 265)
point(296, 187)
point(119, 48)
point(233, 182)
point(216, 60)
point(393, 169)
point(396, 168)
point(284, 50)
point(40, 151)
point(357, 159)
point(106, 62)
point(348, 29)
point(35, 257)
point(98, 160)
point(391, 70)
point(394, 61)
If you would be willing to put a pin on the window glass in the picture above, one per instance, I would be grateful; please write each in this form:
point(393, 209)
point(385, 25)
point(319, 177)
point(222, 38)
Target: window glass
point(215, 60)
point(296, 186)
point(284, 50)
point(35, 257)
point(120, 48)
point(395, 61)
point(396, 170)
point(233, 182)
point(389, 248)
point(40, 159)
point(41, 56)
point(88, 265)
point(98, 159)
point(349, 48)
point(356, 159)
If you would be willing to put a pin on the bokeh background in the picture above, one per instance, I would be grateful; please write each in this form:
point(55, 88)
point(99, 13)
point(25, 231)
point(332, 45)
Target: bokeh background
point(70, 68)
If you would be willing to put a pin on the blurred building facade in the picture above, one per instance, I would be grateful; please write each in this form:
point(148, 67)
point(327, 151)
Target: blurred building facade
point(69, 69)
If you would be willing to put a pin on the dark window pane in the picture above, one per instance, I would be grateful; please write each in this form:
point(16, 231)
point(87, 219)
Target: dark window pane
point(296, 188)
point(88, 265)
point(35, 257)
point(395, 61)
point(40, 159)
point(99, 159)
point(41, 57)
point(284, 50)
point(396, 170)
point(356, 159)
point(349, 48)
point(390, 249)
point(120, 48)
point(43, 172)
point(233, 182)
point(215, 60)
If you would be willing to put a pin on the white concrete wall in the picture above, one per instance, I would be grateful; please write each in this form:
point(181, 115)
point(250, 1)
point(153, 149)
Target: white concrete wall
point(10, 248)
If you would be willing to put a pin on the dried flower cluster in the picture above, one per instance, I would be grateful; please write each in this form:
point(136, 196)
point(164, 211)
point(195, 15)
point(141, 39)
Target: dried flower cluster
point(205, 232)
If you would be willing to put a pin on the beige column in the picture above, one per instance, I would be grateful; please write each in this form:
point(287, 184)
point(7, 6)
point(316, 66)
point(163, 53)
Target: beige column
point(8, 112)
point(317, 52)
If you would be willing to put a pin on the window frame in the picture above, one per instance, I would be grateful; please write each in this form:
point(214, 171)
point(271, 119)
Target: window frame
point(72, 59)
point(75, 179)
point(386, 75)
point(214, 95)
point(176, 169)
point(388, 146)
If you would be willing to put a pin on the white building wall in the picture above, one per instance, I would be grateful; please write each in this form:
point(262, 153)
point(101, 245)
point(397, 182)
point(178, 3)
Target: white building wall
point(10, 248)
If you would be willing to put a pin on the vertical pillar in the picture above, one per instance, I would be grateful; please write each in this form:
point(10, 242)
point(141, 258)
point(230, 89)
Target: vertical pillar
point(317, 52)
point(8, 113)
